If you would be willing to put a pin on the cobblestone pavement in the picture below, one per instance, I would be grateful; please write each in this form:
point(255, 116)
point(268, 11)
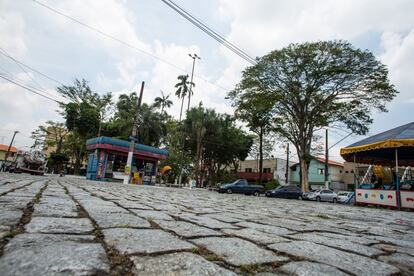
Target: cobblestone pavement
point(70, 226)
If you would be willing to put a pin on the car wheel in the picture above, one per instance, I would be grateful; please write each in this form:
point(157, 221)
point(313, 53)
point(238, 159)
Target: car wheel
point(229, 191)
point(318, 198)
point(256, 193)
point(334, 200)
point(299, 197)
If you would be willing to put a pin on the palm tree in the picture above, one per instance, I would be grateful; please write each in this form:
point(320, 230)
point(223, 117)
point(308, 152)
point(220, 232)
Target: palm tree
point(162, 102)
point(182, 90)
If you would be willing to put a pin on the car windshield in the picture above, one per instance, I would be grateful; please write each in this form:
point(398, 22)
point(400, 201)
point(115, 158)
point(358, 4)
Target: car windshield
point(343, 194)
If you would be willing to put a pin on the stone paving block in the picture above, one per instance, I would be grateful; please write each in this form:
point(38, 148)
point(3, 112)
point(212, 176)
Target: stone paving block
point(133, 205)
point(28, 240)
point(186, 229)
point(339, 243)
point(55, 207)
point(265, 228)
point(238, 252)
point(63, 258)
point(59, 225)
point(403, 261)
point(394, 249)
point(255, 235)
point(361, 239)
point(131, 241)
point(310, 269)
point(223, 217)
point(10, 217)
point(208, 222)
point(120, 220)
point(352, 263)
point(150, 214)
point(177, 264)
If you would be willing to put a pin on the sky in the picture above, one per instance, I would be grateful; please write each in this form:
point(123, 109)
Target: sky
point(162, 40)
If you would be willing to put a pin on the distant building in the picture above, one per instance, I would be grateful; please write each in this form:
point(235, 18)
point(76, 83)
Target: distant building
point(316, 174)
point(273, 168)
point(3, 151)
point(351, 171)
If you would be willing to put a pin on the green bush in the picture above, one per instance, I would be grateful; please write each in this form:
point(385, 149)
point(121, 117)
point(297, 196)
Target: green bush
point(272, 184)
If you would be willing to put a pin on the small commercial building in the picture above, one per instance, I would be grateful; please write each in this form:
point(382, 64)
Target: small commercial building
point(107, 158)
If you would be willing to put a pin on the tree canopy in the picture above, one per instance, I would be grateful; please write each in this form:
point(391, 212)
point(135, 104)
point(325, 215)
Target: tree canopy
point(314, 85)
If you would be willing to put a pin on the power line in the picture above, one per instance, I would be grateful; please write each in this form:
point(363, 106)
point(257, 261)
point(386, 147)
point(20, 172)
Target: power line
point(21, 68)
point(29, 89)
point(122, 42)
point(216, 36)
point(44, 92)
point(31, 68)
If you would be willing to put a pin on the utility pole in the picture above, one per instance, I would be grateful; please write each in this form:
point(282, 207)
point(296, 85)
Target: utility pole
point(194, 57)
point(326, 160)
point(11, 143)
point(287, 164)
point(133, 138)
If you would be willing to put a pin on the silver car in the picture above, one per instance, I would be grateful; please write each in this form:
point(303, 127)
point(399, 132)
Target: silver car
point(323, 195)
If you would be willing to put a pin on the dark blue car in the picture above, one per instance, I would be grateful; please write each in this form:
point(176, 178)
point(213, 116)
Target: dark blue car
point(241, 186)
point(285, 192)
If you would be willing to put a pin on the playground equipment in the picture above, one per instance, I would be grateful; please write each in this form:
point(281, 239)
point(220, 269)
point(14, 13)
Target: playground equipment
point(390, 155)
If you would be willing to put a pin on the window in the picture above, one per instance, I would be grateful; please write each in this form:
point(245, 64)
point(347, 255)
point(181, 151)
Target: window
point(321, 171)
point(340, 171)
point(346, 172)
point(266, 170)
point(248, 170)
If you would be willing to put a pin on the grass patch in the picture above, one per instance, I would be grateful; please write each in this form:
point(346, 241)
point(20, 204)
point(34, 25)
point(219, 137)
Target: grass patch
point(322, 216)
point(252, 268)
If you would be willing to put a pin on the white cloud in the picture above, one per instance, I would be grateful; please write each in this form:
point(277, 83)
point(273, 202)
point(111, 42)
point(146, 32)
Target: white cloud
point(12, 32)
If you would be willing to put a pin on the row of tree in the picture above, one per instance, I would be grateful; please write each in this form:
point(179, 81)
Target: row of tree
point(289, 93)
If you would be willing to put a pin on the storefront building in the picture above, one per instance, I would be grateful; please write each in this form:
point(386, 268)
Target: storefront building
point(107, 158)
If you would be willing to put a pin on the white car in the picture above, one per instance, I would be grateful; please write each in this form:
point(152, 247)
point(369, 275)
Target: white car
point(345, 197)
point(323, 195)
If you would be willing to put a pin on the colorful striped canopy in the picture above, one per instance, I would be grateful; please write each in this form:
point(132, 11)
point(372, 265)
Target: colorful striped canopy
point(380, 149)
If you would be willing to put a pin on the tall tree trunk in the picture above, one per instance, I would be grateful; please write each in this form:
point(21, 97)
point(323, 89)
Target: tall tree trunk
point(181, 110)
point(304, 175)
point(260, 155)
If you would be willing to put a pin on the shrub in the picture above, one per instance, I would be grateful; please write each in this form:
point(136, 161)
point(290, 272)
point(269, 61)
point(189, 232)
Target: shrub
point(272, 184)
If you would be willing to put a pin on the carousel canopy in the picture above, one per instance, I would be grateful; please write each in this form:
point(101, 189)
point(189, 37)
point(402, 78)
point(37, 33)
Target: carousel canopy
point(380, 149)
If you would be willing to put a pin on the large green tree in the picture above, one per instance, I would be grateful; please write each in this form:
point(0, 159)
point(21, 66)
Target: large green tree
point(83, 114)
point(257, 114)
point(151, 129)
point(50, 135)
point(214, 142)
point(314, 85)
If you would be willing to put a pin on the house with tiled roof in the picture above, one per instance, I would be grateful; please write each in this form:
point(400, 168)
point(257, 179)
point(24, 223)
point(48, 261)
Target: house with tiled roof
point(316, 174)
point(3, 151)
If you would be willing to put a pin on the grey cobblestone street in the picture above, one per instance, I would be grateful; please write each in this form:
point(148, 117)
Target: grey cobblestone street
point(70, 226)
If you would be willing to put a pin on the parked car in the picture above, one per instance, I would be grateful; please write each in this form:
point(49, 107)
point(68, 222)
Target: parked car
point(285, 192)
point(241, 186)
point(345, 197)
point(323, 195)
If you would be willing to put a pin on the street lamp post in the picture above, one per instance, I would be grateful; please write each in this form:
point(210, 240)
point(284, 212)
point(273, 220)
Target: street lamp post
point(194, 57)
